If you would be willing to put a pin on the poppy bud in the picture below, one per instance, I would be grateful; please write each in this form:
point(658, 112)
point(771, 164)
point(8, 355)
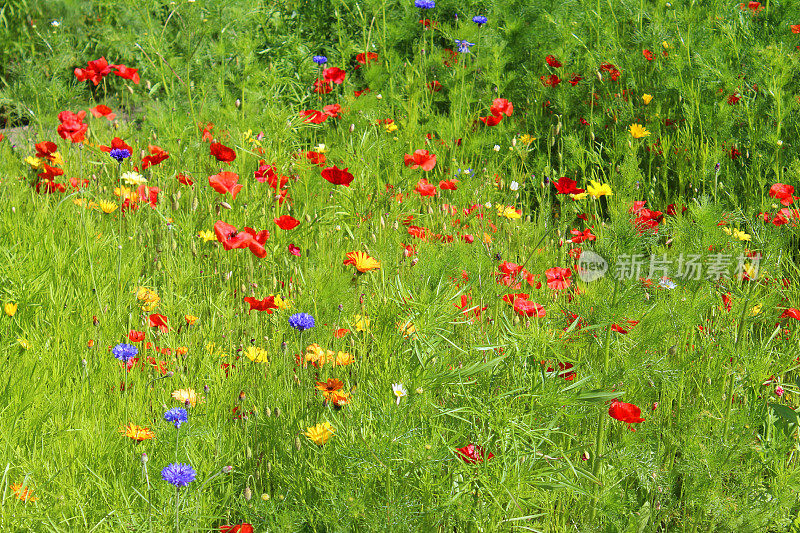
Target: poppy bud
point(195, 203)
point(672, 350)
point(268, 412)
point(283, 346)
point(248, 494)
point(353, 126)
point(277, 412)
point(226, 205)
point(238, 103)
point(144, 458)
point(241, 396)
point(248, 453)
point(269, 467)
point(297, 443)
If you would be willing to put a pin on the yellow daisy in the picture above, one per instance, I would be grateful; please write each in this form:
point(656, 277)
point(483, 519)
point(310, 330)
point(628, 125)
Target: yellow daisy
point(638, 131)
point(320, 434)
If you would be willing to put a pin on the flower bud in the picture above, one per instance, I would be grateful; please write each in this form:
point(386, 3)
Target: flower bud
point(248, 494)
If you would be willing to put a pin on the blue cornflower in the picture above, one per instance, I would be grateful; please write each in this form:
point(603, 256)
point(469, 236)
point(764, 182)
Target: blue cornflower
point(463, 46)
point(424, 4)
point(178, 474)
point(320, 60)
point(480, 20)
point(120, 153)
point(177, 416)
point(301, 321)
point(125, 352)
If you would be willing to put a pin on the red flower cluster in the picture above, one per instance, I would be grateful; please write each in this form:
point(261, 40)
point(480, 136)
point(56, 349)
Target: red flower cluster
point(612, 71)
point(420, 159)
point(98, 69)
point(500, 107)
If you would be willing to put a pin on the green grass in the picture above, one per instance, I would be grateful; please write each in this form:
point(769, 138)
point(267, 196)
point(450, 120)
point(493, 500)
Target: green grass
point(718, 448)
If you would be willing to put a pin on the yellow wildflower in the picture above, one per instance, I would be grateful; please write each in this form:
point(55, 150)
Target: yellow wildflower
point(344, 359)
point(646, 98)
point(390, 127)
point(34, 162)
point(106, 206)
point(207, 235)
point(756, 310)
point(23, 493)
point(281, 303)
point(256, 354)
point(187, 395)
point(362, 261)
point(596, 190)
point(742, 236)
point(190, 319)
point(320, 434)
point(10, 308)
point(579, 196)
point(508, 211)
point(24, 343)
point(638, 131)
point(360, 323)
point(526, 139)
point(137, 433)
point(58, 160)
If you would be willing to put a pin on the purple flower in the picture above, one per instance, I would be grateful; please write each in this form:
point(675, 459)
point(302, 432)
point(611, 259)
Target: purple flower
point(301, 321)
point(464, 46)
point(178, 474)
point(319, 60)
point(480, 20)
point(177, 416)
point(125, 352)
point(424, 4)
point(120, 153)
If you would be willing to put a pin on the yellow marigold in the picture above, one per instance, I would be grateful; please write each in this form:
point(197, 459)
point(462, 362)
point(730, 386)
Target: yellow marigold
point(638, 131)
point(187, 395)
point(256, 354)
point(23, 493)
point(526, 139)
point(390, 127)
point(137, 433)
point(106, 206)
point(362, 261)
point(329, 387)
point(10, 308)
point(508, 211)
point(191, 320)
point(207, 235)
point(596, 190)
point(646, 98)
point(320, 434)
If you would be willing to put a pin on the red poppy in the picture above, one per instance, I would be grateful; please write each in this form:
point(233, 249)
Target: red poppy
point(207, 137)
point(148, 194)
point(294, 250)
point(157, 155)
point(247, 238)
point(238, 528)
point(286, 222)
point(117, 144)
point(420, 159)
point(222, 152)
point(574, 80)
point(734, 99)
point(434, 86)
point(184, 179)
point(49, 187)
point(265, 173)
point(795, 28)
point(158, 321)
point(550, 81)
point(102, 111)
point(49, 173)
point(753, 7)
point(136, 336)
point(334, 74)
point(552, 61)
point(648, 55)
point(782, 192)
point(313, 116)
point(332, 110)
point(225, 182)
point(316, 157)
point(322, 86)
point(527, 308)
point(612, 70)
point(424, 188)
point(341, 332)
point(491, 120)
point(77, 184)
point(791, 313)
point(565, 185)
point(581, 236)
point(558, 278)
point(366, 58)
point(472, 453)
point(95, 71)
point(501, 106)
point(467, 308)
point(337, 176)
point(448, 185)
point(359, 93)
point(45, 150)
point(563, 367)
point(267, 304)
point(625, 412)
point(72, 126)
point(127, 73)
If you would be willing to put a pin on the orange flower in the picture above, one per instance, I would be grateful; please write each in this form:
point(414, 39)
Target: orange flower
point(362, 261)
point(23, 493)
point(137, 433)
point(329, 387)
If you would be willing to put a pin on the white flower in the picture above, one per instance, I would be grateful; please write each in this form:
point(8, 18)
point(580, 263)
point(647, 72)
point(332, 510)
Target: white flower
point(667, 283)
point(496, 147)
point(399, 391)
point(514, 186)
point(55, 23)
point(132, 178)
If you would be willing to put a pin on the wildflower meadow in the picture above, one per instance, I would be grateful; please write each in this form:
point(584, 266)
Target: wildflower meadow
point(399, 265)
